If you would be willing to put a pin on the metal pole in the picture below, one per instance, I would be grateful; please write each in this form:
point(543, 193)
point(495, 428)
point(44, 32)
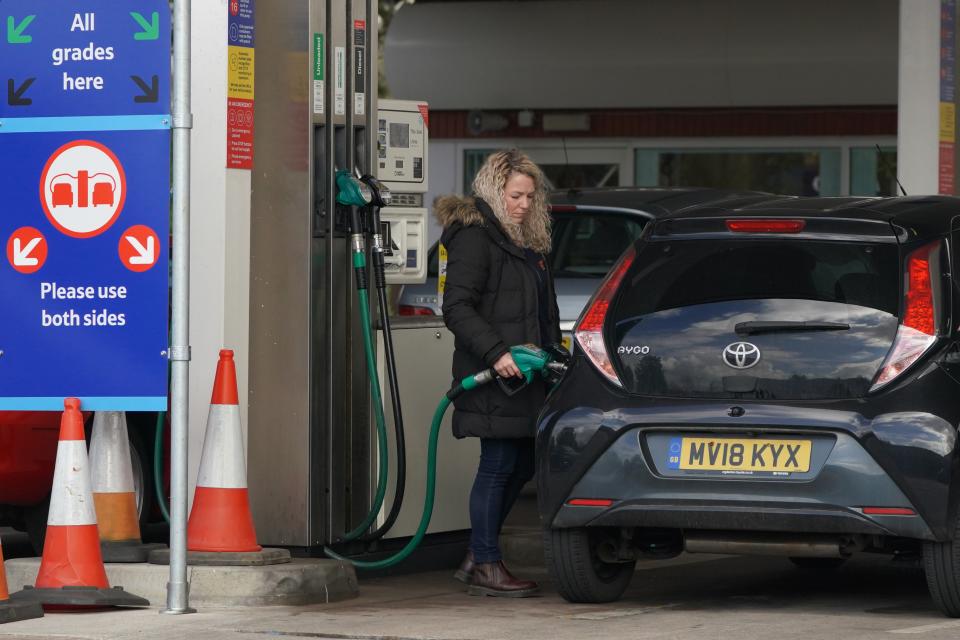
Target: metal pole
point(178, 589)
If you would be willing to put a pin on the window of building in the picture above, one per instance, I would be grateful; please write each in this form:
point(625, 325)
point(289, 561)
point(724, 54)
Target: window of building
point(799, 172)
point(872, 172)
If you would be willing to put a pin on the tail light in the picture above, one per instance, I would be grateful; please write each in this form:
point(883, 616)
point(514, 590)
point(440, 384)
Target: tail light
point(589, 331)
point(410, 310)
point(758, 225)
point(918, 327)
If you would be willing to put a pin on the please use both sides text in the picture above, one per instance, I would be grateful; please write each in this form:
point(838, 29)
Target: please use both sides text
point(85, 318)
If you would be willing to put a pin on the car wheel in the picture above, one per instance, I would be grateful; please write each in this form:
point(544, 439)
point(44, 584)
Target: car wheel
point(576, 566)
point(141, 461)
point(941, 564)
point(818, 564)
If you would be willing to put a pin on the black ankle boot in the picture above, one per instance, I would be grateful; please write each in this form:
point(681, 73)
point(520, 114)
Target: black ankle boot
point(465, 573)
point(493, 579)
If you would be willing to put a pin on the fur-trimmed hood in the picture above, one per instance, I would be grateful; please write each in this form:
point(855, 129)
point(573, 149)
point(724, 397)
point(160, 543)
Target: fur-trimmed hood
point(451, 209)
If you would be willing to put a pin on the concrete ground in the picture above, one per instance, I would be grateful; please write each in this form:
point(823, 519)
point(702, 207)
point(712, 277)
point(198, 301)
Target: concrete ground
point(690, 597)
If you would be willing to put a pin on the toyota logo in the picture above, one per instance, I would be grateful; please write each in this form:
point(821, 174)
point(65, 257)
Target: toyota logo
point(741, 355)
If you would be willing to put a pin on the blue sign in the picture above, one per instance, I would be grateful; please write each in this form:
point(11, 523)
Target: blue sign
point(673, 458)
point(84, 58)
point(85, 174)
point(240, 24)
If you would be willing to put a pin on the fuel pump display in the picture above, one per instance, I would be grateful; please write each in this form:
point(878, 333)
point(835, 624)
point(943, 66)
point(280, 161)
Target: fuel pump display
point(401, 166)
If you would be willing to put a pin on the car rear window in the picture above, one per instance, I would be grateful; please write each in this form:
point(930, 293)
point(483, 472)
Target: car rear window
point(672, 274)
point(587, 244)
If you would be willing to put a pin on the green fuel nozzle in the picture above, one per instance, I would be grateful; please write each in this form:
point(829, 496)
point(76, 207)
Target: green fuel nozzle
point(351, 191)
point(531, 360)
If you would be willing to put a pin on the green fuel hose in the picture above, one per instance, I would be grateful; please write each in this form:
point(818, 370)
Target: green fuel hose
point(466, 384)
point(360, 268)
point(378, 412)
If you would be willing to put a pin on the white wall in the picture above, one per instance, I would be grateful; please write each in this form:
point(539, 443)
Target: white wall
point(219, 231)
point(918, 120)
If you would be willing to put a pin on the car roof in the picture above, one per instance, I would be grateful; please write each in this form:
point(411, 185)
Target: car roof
point(923, 215)
point(657, 202)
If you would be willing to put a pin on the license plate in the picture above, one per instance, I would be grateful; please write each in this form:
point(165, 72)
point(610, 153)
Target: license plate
point(744, 455)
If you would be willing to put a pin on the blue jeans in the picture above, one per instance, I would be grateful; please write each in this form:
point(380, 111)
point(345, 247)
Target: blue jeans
point(505, 466)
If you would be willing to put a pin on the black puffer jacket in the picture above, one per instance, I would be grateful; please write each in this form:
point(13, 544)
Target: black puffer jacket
point(490, 302)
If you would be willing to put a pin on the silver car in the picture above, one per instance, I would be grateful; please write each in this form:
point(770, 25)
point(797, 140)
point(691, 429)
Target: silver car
point(591, 228)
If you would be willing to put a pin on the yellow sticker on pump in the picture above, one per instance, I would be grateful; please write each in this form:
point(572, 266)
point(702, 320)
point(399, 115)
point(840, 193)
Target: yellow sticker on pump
point(745, 454)
point(441, 273)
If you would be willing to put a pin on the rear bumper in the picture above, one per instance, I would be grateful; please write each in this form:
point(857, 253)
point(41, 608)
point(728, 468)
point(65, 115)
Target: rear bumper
point(743, 516)
point(829, 501)
point(900, 455)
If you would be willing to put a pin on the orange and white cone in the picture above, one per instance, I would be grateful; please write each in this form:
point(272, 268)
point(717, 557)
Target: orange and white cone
point(71, 550)
point(114, 497)
point(11, 611)
point(220, 520)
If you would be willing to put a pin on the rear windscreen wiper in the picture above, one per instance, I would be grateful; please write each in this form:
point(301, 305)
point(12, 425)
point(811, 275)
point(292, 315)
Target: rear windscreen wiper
point(775, 326)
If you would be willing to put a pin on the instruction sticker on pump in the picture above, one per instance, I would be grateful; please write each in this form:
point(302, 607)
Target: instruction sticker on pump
point(318, 63)
point(340, 88)
point(441, 273)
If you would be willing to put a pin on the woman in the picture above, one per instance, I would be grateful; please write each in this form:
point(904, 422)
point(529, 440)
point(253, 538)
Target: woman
point(498, 292)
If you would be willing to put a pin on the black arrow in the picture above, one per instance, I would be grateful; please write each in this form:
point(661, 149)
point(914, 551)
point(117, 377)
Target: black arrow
point(151, 93)
point(15, 96)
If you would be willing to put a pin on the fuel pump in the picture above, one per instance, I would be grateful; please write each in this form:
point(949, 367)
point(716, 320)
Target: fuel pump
point(389, 208)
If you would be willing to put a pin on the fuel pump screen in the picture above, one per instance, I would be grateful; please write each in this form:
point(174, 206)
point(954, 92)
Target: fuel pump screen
point(399, 135)
point(402, 142)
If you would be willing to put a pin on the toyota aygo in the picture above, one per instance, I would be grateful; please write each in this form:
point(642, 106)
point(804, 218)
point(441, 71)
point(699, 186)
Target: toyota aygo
point(762, 375)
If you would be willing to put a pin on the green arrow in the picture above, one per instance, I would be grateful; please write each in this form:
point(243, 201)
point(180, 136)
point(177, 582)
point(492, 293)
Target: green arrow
point(15, 31)
point(151, 30)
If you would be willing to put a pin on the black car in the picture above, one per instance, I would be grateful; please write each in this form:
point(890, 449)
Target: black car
point(762, 375)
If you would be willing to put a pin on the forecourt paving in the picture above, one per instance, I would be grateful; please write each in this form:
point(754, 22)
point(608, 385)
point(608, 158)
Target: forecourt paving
point(691, 597)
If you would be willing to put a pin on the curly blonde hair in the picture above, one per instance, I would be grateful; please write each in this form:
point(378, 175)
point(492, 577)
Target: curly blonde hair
point(489, 184)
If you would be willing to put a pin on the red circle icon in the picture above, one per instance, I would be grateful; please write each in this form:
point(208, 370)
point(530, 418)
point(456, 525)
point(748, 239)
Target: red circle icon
point(27, 250)
point(83, 188)
point(234, 7)
point(139, 248)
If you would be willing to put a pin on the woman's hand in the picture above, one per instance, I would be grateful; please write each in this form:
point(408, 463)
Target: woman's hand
point(506, 367)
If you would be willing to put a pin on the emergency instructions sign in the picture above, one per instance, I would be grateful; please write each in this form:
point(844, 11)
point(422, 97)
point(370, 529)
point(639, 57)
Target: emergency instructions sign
point(85, 179)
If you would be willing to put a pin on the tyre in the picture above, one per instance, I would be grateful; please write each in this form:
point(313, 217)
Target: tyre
point(35, 522)
point(941, 564)
point(140, 432)
point(818, 564)
point(575, 564)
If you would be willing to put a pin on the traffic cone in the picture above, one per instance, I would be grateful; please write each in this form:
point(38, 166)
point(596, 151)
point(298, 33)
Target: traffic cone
point(11, 611)
point(71, 571)
point(114, 497)
point(220, 520)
